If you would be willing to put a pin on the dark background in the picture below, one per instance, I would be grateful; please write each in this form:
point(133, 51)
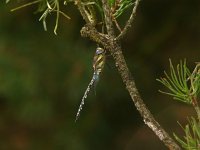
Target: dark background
point(43, 78)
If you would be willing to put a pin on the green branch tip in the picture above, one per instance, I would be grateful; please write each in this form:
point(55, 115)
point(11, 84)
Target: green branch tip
point(177, 82)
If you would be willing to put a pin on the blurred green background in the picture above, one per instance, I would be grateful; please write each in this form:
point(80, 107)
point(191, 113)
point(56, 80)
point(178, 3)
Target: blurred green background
point(43, 78)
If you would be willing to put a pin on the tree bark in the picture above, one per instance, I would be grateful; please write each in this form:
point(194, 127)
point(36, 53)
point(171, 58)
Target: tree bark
point(115, 49)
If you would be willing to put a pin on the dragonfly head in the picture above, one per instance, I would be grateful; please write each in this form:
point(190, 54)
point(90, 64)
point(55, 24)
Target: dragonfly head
point(99, 51)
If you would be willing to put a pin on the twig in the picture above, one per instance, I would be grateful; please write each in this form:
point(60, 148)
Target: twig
point(116, 51)
point(108, 18)
point(83, 12)
point(117, 25)
point(129, 22)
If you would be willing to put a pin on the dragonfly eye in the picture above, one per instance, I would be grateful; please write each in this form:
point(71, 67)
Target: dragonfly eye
point(99, 50)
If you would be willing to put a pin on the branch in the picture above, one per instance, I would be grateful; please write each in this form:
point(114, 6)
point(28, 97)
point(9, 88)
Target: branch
point(84, 13)
point(128, 80)
point(91, 32)
point(116, 51)
point(129, 22)
point(109, 43)
point(108, 17)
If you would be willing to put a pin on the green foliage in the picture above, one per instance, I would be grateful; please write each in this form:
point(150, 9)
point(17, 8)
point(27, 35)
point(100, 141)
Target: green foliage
point(185, 86)
point(122, 6)
point(46, 7)
point(191, 139)
point(177, 82)
point(119, 6)
point(51, 6)
point(112, 2)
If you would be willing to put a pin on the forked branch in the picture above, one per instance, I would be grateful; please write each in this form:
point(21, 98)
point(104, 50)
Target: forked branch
point(116, 51)
point(130, 21)
point(112, 44)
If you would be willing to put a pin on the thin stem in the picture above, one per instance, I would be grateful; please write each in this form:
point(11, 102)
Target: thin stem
point(117, 25)
point(108, 18)
point(57, 16)
point(25, 5)
point(196, 107)
point(82, 10)
point(129, 22)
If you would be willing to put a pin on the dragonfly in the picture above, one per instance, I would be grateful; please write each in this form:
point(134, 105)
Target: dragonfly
point(98, 65)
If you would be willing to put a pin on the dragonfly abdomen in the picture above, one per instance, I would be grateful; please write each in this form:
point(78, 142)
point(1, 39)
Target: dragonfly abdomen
point(98, 65)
